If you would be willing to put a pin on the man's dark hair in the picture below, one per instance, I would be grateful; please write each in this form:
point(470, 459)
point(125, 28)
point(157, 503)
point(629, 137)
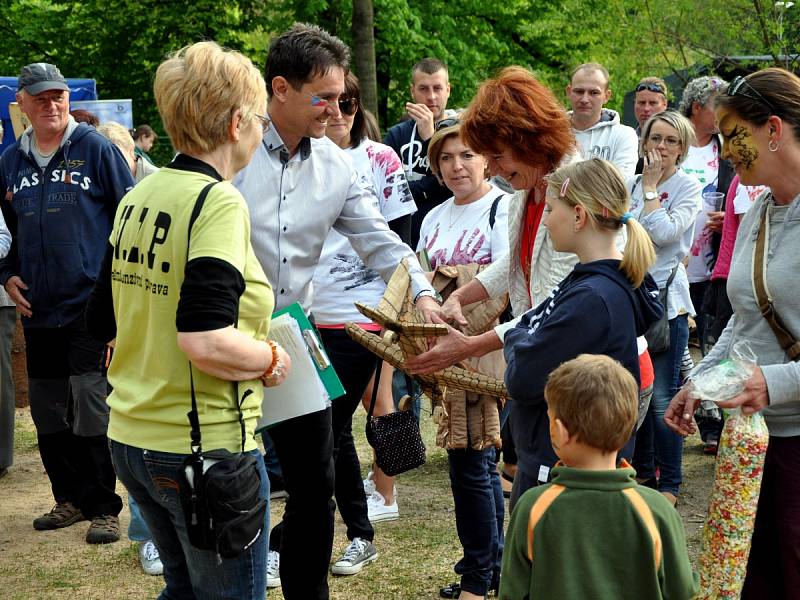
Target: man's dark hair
point(144, 130)
point(429, 66)
point(303, 52)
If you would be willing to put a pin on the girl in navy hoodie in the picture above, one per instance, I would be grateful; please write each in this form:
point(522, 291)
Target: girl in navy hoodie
point(599, 308)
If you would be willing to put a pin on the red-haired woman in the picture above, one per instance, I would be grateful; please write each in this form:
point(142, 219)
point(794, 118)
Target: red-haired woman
point(524, 133)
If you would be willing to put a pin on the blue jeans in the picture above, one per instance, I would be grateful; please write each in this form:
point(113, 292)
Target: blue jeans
point(137, 528)
point(656, 444)
point(479, 508)
point(151, 479)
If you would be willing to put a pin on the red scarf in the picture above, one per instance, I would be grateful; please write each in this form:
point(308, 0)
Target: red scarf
point(530, 225)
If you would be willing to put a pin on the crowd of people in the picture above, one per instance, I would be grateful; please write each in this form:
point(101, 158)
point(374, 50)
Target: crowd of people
point(616, 248)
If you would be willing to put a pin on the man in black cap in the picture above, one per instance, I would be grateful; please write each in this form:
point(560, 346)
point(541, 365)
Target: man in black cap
point(62, 182)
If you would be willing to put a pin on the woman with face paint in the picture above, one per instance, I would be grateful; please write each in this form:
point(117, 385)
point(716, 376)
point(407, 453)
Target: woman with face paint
point(666, 200)
point(759, 118)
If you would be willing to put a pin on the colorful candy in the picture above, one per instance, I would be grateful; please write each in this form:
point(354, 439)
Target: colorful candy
point(732, 507)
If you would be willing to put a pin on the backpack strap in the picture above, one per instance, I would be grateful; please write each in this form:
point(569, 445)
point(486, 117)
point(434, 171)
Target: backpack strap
point(538, 509)
point(646, 515)
point(493, 211)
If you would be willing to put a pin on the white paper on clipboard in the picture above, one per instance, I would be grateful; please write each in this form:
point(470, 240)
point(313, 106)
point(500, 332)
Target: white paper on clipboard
point(302, 392)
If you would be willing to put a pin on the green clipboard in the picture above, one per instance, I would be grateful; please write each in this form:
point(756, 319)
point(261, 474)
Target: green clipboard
point(319, 357)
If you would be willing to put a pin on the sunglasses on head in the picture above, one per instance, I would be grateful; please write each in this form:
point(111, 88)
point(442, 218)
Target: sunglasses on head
point(651, 87)
point(449, 122)
point(740, 86)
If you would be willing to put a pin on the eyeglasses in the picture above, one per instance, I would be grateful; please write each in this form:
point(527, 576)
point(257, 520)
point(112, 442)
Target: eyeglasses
point(651, 87)
point(738, 87)
point(449, 122)
point(347, 106)
point(668, 141)
point(264, 122)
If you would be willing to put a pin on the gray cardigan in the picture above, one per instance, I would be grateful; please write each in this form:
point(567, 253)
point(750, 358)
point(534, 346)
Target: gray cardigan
point(783, 265)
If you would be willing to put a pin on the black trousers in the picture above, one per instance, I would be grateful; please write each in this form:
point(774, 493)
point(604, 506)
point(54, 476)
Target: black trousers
point(311, 449)
point(67, 393)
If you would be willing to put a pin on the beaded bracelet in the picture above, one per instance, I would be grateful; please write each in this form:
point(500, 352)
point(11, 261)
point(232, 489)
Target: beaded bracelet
point(275, 364)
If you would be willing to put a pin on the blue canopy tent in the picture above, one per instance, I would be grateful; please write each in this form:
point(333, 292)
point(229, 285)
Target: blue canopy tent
point(79, 89)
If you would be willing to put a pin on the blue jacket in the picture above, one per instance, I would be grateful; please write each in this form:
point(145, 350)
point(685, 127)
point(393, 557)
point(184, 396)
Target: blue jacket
point(60, 220)
point(594, 310)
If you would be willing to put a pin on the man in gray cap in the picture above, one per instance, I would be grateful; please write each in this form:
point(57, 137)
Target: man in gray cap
point(62, 182)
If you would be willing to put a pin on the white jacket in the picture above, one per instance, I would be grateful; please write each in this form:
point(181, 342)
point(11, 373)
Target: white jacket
point(611, 140)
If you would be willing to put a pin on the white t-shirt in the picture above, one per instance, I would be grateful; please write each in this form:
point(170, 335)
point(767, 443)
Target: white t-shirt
point(460, 234)
point(341, 278)
point(703, 165)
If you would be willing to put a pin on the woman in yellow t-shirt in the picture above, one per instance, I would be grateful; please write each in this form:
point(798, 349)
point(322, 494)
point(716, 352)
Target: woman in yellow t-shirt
point(179, 303)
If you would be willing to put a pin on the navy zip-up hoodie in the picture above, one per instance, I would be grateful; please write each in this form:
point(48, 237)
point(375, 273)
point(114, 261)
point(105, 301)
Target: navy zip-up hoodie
point(60, 218)
point(594, 310)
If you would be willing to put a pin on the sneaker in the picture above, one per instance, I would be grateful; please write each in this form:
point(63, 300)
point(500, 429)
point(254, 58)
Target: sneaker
point(378, 510)
point(277, 488)
point(273, 569)
point(150, 559)
point(61, 515)
point(358, 553)
point(369, 485)
point(103, 530)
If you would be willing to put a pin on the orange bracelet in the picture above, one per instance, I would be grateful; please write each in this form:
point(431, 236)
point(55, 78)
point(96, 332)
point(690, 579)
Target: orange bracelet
point(272, 365)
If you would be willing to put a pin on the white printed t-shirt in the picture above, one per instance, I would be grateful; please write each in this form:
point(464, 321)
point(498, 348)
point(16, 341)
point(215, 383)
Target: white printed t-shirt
point(341, 278)
point(460, 234)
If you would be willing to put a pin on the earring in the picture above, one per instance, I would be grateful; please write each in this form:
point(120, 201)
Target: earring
point(771, 149)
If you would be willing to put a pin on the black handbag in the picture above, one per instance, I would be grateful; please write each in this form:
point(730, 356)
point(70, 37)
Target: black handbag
point(395, 437)
point(218, 489)
point(657, 335)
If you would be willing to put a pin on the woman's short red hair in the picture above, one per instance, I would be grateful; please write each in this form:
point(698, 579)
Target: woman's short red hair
point(516, 112)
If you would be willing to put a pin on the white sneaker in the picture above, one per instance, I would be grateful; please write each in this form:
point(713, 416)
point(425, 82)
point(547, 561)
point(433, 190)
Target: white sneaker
point(273, 569)
point(369, 485)
point(150, 559)
point(358, 553)
point(378, 510)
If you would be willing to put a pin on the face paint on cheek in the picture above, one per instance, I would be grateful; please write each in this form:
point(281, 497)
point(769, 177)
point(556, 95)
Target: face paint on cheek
point(742, 141)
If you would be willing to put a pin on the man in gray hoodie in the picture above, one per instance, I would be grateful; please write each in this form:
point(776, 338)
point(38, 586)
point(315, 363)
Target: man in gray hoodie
point(598, 130)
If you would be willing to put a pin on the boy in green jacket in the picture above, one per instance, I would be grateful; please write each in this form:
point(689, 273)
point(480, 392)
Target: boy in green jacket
point(593, 532)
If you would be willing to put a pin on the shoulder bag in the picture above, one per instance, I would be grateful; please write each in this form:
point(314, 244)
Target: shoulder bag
point(219, 490)
point(763, 297)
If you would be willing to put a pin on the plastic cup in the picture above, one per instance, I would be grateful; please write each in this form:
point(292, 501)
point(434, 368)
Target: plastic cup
point(713, 200)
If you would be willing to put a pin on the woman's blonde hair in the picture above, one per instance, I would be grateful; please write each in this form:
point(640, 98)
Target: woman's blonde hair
point(598, 187)
point(436, 143)
point(197, 90)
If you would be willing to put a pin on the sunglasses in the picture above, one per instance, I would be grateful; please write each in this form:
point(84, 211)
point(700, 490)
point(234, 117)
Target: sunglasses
point(347, 106)
point(739, 87)
point(449, 122)
point(651, 87)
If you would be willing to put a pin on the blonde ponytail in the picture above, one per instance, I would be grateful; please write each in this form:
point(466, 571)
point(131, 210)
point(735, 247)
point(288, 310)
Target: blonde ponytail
point(639, 254)
point(597, 185)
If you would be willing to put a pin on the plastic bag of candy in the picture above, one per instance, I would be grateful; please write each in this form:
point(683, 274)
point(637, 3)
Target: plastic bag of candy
point(737, 483)
point(726, 380)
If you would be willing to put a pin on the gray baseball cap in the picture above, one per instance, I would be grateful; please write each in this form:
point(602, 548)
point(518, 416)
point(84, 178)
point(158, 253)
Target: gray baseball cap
point(40, 77)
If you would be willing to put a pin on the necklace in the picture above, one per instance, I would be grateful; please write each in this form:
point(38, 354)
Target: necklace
point(39, 150)
point(453, 216)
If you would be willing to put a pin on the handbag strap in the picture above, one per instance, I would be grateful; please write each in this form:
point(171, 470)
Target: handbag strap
point(194, 418)
point(672, 276)
point(374, 390)
point(765, 305)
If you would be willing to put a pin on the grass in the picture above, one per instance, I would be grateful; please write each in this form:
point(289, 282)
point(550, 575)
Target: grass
point(417, 552)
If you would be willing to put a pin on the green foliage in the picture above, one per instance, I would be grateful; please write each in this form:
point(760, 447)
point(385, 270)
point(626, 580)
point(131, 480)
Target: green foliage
point(121, 42)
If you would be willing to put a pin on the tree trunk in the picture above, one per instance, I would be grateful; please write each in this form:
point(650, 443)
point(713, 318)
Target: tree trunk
point(364, 53)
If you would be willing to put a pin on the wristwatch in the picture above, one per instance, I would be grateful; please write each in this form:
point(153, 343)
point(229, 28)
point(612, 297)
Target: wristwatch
point(650, 196)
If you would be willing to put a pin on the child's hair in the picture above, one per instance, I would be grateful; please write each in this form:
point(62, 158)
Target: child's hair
point(597, 185)
point(596, 399)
